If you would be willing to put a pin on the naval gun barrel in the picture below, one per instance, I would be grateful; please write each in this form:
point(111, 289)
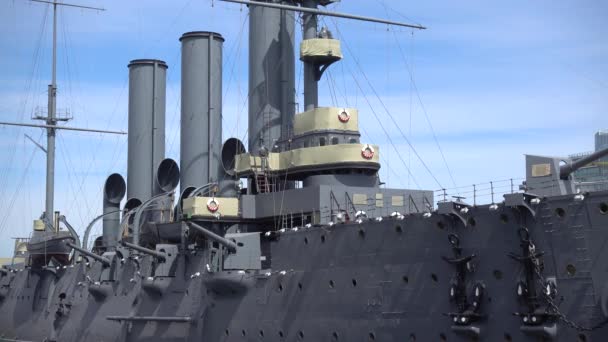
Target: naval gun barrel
point(567, 169)
point(158, 255)
point(99, 258)
point(231, 246)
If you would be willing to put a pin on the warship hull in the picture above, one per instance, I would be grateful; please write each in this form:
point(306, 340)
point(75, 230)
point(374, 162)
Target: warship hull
point(383, 280)
point(295, 238)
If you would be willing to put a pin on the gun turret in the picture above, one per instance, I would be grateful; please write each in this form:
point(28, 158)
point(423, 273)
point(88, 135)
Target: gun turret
point(99, 258)
point(231, 246)
point(158, 255)
point(568, 169)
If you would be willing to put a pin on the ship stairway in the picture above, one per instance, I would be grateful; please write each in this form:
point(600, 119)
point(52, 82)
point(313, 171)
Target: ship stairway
point(263, 181)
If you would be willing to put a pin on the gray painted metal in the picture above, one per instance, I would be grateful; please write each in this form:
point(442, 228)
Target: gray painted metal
point(71, 230)
point(389, 276)
point(92, 255)
point(248, 256)
point(147, 91)
point(325, 13)
point(50, 135)
point(149, 318)
point(113, 192)
point(158, 255)
point(70, 5)
point(311, 86)
point(271, 76)
point(528, 268)
point(201, 109)
point(61, 128)
point(230, 246)
point(566, 170)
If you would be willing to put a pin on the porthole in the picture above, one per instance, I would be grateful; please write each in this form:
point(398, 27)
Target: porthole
point(334, 336)
point(504, 218)
point(434, 277)
point(582, 338)
point(301, 334)
point(361, 233)
point(243, 332)
point(412, 337)
point(299, 286)
point(227, 332)
point(331, 284)
point(497, 274)
point(472, 222)
point(280, 334)
point(560, 212)
point(440, 225)
point(571, 270)
point(442, 337)
point(280, 288)
point(354, 282)
point(603, 208)
point(405, 279)
point(398, 229)
point(372, 336)
point(261, 333)
point(508, 337)
point(306, 241)
point(322, 238)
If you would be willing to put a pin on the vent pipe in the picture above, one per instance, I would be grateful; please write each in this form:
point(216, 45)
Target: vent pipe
point(147, 88)
point(271, 76)
point(201, 109)
point(113, 192)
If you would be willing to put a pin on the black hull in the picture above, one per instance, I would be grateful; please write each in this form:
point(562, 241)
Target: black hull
point(382, 281)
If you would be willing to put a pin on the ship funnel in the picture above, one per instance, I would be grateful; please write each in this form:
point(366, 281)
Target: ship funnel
point(147, 88)
point(167, 175)
point(201, 109)
point(271, 77)
point(230, 149)
point(113, 192)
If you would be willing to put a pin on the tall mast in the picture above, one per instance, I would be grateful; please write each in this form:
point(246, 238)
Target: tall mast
point(311, 86)
point(50, 131)
point(51, 118)
point(313, 69)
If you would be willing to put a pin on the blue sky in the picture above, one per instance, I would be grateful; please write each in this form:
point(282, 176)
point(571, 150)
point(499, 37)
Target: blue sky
point(496, 80)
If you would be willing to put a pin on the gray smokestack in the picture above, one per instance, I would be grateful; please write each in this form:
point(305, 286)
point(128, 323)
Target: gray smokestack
point(271, 76)
point(201, 105)
point(113, 192)
point(147, 87)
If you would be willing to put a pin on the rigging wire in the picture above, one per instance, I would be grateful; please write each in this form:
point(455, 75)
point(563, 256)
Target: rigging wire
point(383, 128)
point(362, 72)
point(428, 120)
point(176, 117)
point(69, 167)
point(4, 219)
point(238, 47)
point(4, 176)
